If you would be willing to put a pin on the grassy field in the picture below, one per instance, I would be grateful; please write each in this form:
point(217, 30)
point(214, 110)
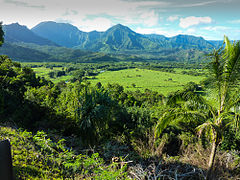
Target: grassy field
point(140, 79)
point(43, 71)
point(133, 79)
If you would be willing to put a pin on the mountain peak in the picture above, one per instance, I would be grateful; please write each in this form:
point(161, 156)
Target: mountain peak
point(63, 34)
point(15, 25)
point(17, 33)
point(52, 24)
point(119, 26)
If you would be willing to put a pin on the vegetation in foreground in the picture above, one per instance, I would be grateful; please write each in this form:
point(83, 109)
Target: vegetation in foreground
point(153, 142)
point(36, 156)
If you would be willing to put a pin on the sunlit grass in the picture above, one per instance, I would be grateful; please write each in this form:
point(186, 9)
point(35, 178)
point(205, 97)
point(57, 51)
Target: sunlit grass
point(163, 82)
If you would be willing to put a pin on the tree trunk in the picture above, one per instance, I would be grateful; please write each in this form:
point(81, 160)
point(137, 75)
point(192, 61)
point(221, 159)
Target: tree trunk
point(211, 160)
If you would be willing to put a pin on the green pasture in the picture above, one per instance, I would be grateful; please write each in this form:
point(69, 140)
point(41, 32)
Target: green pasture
point(43, 72)
point(162, 82)
point(133, 79)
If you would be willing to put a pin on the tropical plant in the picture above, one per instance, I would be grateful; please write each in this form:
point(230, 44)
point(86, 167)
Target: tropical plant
point(91, 109)
point(36, 156)
point(224, 69)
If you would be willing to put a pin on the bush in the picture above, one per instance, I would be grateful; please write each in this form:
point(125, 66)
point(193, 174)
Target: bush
point(38, 157)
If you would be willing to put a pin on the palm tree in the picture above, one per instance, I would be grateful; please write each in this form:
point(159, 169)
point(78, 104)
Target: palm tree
point(224, 69)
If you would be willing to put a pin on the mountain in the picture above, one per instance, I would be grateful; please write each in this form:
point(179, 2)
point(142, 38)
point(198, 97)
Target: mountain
point(51, 41)
point(187, 41)
point(63, 34)
point(20, 53)
point(18, 33)
point(28, 52)
point(216, 43)
point(117, 39)
point(160, 39)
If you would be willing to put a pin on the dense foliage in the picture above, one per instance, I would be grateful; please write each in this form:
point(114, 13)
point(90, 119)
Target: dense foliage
point(36, 156)
point(1, 34)
point(139, 126)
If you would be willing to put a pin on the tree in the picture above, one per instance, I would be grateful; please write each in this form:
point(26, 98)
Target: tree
point(51, 74)
point(224, 68)
point(1, 34)
point(91, 110)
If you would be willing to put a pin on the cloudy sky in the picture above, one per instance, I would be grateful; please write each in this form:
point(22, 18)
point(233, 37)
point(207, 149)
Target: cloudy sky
point(210, 19)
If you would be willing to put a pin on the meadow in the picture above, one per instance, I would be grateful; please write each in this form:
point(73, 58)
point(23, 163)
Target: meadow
point(43, 72)
point(132, 79)
point(141, 79)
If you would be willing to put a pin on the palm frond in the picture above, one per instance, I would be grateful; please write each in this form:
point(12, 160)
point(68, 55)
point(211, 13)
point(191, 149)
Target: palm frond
point(209, 125)
point(231, 56)
point(164, 121)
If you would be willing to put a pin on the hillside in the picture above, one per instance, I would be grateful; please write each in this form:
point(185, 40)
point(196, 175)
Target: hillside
point(120, 38)
point(36, 156)
point(21, 53)
point(28, 52)
point(61, 33)
point(18, 33)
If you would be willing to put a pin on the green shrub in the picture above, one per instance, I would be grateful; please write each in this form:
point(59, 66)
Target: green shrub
point(38, 157)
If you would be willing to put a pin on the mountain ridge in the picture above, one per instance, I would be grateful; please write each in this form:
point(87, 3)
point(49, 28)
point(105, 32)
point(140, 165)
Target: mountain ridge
point(67, 43)
point(18, 33)
point(120, 38)
point(70, 35)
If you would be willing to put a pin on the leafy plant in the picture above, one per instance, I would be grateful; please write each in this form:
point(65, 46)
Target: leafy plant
point(38, 157)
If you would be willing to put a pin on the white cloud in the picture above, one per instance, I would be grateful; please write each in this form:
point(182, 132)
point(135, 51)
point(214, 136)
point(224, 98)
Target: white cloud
point(216, 28)
point(219, 31)
point(173, 18)
point(149, 18)
point(31, 12)
point(196, 4)
point(25, 3)
point(191, 31)
point(193, 21)
point(235, 21)
point(100, 24)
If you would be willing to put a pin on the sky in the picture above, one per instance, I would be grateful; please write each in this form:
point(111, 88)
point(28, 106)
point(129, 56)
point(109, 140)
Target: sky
point(210, 19)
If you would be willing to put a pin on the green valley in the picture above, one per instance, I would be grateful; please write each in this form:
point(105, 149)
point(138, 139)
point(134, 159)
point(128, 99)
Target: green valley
point(118, 104)
point(138, 77)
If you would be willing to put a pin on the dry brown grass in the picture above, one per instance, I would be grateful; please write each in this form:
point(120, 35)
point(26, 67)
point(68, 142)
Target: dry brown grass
point(149, 147)
point(224, 168)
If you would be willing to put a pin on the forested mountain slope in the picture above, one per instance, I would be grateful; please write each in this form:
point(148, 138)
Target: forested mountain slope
point(18, 33)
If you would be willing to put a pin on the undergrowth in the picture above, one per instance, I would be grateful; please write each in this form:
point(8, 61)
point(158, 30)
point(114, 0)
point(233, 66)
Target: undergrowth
point(35, 156)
